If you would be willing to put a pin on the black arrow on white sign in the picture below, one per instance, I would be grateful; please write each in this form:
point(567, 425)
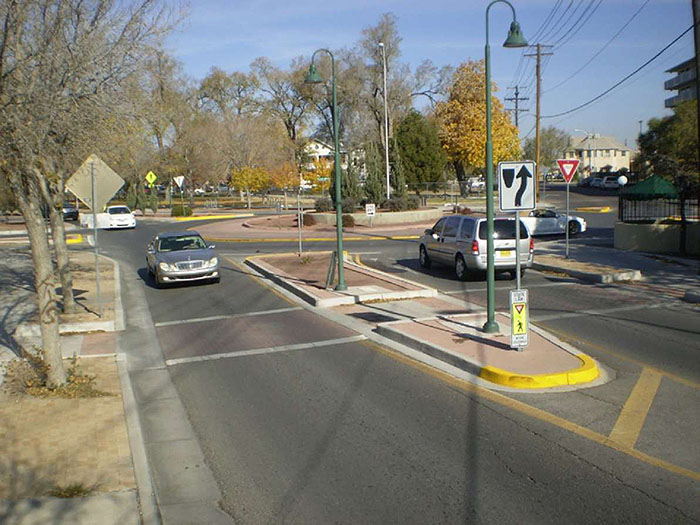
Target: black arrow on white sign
point(523, 175)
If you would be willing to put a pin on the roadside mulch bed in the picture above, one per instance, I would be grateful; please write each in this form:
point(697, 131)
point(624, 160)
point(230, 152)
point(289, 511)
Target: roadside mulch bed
point(50, 443)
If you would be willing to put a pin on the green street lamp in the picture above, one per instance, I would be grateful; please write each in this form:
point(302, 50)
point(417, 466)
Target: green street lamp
point(515, 39)
point(314, 78)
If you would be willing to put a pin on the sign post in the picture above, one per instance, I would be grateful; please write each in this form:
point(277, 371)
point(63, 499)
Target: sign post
point(516, 196)
point(95, 184)
point(568, 168)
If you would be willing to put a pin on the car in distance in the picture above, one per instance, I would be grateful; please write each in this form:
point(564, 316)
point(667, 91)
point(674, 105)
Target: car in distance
point(546, 221)
point(120, 217)
point(610, 183)
point(596, 182)
point(173, 257)
point(70, 212)
point(460, 241)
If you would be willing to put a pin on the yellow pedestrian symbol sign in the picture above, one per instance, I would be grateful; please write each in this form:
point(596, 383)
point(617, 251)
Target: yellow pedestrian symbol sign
point(151, 178)
point(519, 322)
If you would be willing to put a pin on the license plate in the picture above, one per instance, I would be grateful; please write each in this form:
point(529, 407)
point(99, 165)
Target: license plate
point(505, 253)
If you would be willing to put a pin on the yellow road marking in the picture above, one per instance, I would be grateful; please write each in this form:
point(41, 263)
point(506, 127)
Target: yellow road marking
point(564, 336)
point(213, 217)
point(314, 239)
point(634, 412)
point(534, 412)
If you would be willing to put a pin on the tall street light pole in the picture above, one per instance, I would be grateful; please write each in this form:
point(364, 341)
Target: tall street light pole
point(515, 39)
point(386, 125)
point(314, 78)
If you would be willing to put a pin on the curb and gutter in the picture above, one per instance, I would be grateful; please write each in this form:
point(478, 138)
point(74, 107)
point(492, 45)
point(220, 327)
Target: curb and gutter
point(591, 277)
point(585, 373)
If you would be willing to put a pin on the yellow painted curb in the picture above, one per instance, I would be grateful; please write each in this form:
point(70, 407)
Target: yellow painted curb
point(74, 239)
point(213, 217)
point(311, 239)
point(594, 209)
point(586, 373)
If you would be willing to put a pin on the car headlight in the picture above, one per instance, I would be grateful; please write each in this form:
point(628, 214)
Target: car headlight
point(212, 262)
point(166, 267)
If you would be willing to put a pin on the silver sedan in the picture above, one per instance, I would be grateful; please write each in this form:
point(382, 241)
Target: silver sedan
point(174, 257)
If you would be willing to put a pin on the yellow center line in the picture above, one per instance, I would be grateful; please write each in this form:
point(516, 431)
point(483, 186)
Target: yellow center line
point(534, 412)
point(634, 412)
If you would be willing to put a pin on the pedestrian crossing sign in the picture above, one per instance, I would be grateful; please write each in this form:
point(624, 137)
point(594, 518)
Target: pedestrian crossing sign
point(519, 319)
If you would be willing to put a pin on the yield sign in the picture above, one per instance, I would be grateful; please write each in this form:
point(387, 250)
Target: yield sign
point(568, 168)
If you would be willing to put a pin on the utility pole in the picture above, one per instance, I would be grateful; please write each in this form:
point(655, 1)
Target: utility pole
point(538, 144)
point(517, 98)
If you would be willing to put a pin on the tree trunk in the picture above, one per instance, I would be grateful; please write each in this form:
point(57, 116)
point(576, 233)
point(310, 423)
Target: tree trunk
point(44, 277)
point(58, 233)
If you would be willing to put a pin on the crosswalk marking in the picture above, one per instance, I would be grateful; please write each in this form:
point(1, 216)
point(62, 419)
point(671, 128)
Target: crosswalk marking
point(269, 350)
point(232, 316)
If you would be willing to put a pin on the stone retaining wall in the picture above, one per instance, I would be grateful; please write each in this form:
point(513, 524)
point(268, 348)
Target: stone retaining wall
point(385, 218)
point(656, 238)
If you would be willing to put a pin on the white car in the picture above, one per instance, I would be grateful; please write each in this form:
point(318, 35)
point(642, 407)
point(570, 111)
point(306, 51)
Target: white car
point(548, 222)
point(120, 217)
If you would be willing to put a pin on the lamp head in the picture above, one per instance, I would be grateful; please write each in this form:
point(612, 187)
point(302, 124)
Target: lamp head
point(515, 36)
point(313, 77)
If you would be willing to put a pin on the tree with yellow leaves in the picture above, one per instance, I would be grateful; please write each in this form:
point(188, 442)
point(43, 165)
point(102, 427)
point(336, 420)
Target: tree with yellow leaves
point(286, 177)
point(463, 123)
point(319, 176)
point(249, 179)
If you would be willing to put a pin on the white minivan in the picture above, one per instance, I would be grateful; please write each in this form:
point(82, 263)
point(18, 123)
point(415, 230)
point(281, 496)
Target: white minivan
point(460, 241)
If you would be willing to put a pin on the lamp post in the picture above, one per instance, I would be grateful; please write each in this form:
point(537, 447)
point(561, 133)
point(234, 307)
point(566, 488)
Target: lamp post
point(314, 78)
point(590, 156)
point(386, 125)
point(515, 39)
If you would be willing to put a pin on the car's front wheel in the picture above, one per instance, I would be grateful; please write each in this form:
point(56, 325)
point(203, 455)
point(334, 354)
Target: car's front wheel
point(574, 227)
point(461, 270)
point(423, 257)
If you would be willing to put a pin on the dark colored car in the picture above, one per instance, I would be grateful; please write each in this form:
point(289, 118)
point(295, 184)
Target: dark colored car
point(70, 213)
point(181, 257)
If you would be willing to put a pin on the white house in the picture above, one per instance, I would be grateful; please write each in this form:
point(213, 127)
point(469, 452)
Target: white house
point(316, 149)
point(598, 153)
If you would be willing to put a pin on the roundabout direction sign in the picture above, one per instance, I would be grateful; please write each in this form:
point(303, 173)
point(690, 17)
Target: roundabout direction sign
point(516, 185)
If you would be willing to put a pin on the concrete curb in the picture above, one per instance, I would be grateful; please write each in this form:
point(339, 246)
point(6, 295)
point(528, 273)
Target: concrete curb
point(117, 324)
point(142, 472)
point(591, 277)
point(586, 373)
point(347, 298)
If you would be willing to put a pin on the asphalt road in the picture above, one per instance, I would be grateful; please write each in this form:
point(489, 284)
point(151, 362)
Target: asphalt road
point(339, 430)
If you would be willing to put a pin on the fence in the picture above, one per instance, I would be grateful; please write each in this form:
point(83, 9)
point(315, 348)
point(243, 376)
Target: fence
point(657, 209)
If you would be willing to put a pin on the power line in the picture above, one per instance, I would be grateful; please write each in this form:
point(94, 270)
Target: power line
point(568, 36)
point(600, 50)
point(657, 55)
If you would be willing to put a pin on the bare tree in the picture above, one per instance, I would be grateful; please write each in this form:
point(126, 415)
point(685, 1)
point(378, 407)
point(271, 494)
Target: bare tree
point(60, 63)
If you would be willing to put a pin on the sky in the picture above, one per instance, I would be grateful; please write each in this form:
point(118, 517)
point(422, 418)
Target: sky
point(595, 45)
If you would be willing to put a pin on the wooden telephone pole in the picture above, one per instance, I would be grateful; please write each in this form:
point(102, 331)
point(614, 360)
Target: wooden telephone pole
point(539, 54)
point(517, 98)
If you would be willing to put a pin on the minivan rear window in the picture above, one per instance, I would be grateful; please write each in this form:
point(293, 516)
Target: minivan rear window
point(503, 229)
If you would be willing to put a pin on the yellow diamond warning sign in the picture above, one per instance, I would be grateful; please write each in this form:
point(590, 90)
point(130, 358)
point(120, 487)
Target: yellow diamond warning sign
point(519, 319)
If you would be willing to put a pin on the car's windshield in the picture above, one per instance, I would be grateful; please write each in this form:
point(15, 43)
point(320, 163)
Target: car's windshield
point(118, 210)
point(188, 242)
